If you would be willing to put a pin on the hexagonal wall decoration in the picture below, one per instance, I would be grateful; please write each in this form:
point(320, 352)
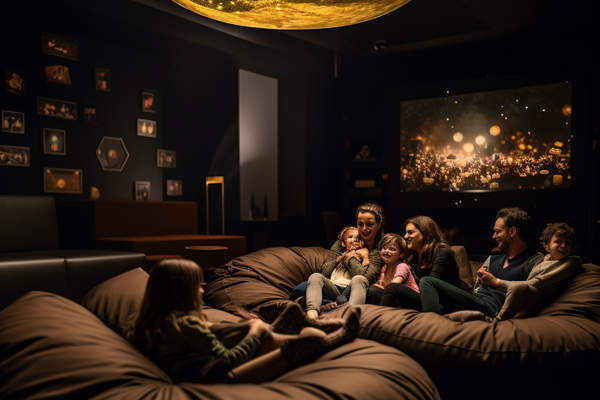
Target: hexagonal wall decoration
point(112, 153)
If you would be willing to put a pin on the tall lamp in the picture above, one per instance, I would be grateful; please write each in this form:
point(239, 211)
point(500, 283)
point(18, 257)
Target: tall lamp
point(210, 180)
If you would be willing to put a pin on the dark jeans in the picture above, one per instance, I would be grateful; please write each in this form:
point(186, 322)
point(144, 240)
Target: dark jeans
point(437, 295)
point(394, 295)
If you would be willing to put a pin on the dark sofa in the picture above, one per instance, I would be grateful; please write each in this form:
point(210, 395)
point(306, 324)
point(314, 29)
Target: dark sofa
point(31, 257)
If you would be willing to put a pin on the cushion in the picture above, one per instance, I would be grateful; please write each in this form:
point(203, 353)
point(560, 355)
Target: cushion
point(261, 282)
point(51, 347)
point(561, 345)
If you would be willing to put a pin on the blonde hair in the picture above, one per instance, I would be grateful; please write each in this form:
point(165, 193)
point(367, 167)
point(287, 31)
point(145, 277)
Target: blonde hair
point(173, 286)
point(344, 233)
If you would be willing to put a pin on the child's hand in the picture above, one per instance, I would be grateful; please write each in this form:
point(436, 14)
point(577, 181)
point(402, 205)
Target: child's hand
point(363, 253)
point(488, 278)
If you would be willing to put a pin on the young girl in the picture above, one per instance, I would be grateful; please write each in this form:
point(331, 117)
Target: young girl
point(337, 275)
point(396, 272)
point(174, 332)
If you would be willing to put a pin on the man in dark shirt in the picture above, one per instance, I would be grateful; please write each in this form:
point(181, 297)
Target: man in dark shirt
point(510, 232)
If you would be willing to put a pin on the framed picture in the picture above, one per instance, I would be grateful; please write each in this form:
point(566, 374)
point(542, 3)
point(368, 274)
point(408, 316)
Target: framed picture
point(142, 190)
point(174, 188)
point(166, 158)
point(112, 154)
point(15, 156)
point(62, 180)
point(90, 113)
point(146, 127)
point(60, 46)
point(13, 121)
point(57, 108)
point(102, 79)
point(58, 74)
point(14, 81)
point(148, 104)
point(54, 142)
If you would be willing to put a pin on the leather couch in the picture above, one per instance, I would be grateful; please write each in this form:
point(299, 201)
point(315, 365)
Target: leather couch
point(31, 257)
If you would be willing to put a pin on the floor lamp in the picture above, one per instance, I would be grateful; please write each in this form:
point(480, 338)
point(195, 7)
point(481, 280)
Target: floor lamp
point(210, 180)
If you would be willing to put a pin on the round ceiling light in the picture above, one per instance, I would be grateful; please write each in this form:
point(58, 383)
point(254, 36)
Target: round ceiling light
point(292, 14)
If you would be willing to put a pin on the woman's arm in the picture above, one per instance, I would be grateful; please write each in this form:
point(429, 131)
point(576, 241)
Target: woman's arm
point(373, 270)
point(199, 337)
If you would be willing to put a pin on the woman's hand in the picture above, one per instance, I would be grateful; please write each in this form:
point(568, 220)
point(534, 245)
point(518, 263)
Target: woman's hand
point(488, 278)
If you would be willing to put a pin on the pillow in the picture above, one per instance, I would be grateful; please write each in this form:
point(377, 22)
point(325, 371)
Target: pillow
point(115, 300)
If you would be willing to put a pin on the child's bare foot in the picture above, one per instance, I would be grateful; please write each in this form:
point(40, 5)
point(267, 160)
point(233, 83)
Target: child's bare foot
point(310, 331)
point(312, 314)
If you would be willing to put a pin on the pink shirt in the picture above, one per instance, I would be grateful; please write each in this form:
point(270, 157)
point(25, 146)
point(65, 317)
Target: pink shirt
point(402, 270)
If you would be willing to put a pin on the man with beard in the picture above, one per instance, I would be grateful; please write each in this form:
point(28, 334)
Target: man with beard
point(510, 232)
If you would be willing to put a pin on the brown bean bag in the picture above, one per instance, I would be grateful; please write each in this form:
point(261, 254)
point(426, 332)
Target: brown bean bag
point(51, 347)
point(552, 354)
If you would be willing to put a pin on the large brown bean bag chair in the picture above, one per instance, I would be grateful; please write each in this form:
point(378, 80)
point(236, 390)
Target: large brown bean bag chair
point(53, 348)
point(554, 353)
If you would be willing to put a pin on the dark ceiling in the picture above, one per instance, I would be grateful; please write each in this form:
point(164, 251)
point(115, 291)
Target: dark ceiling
point(433, 24)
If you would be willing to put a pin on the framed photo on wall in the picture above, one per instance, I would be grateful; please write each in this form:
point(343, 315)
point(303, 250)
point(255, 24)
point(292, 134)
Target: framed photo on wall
point(174, 188)
point(13, 122)
point(142, 190)
point(166, 158)
point(148, 104)
point(54, 141)
point(146, 127)
point(15, 156)
point(57, 108)
point(62, 180)
point(14, 81)
point(112, 154)
point(90, 113)
point(60, 46)
point(58, 74)
point(102, 79)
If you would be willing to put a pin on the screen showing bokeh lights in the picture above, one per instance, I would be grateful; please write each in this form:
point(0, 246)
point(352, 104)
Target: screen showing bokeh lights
point(487, 141)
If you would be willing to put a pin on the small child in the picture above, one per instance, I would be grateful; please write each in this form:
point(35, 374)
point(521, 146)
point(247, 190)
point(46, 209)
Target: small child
point(350, 240)
point(172, 330)
point(524, 296)
point(396, 273)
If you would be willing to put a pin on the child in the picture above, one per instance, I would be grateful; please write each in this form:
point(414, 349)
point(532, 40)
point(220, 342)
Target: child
point(174, 332)
point(524, 296)
point(396, 272)
point(337, 274)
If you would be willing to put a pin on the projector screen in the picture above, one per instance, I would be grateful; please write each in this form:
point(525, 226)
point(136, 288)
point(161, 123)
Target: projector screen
point(513, 139)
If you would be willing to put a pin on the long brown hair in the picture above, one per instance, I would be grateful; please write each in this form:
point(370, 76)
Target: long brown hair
point(432, 236)
point(173, 286)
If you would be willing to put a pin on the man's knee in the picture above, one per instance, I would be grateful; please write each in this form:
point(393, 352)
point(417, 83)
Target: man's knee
point(315, 278)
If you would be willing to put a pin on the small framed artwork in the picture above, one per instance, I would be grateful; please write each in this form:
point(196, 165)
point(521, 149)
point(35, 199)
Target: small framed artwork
point(13, 122)
point(148, 104)
point(58, 74)
point(102, 79)
point(146, 127)
point(54, 142)
point(112, 154)
point(60, 46)
point(174, 188)
point(142, 190)
point(57, 108)
point(15, 156)
point(14, 81)
point(62, 180)
point(166, 158)
point(90, 113)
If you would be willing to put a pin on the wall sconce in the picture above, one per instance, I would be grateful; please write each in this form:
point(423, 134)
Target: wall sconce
point(210, 180)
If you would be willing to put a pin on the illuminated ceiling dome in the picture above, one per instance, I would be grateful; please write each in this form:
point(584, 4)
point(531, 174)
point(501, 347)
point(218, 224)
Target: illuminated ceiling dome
point(292, 14)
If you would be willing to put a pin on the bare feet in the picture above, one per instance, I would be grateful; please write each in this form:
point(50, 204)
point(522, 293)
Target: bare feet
point(312, 314)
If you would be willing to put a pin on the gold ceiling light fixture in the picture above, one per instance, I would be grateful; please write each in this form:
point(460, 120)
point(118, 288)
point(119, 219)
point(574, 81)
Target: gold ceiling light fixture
point(292, 14)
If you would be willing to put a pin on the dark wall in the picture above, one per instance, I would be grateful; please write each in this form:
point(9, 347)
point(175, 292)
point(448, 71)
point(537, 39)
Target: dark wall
point(370, 92)
point(193, 71)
